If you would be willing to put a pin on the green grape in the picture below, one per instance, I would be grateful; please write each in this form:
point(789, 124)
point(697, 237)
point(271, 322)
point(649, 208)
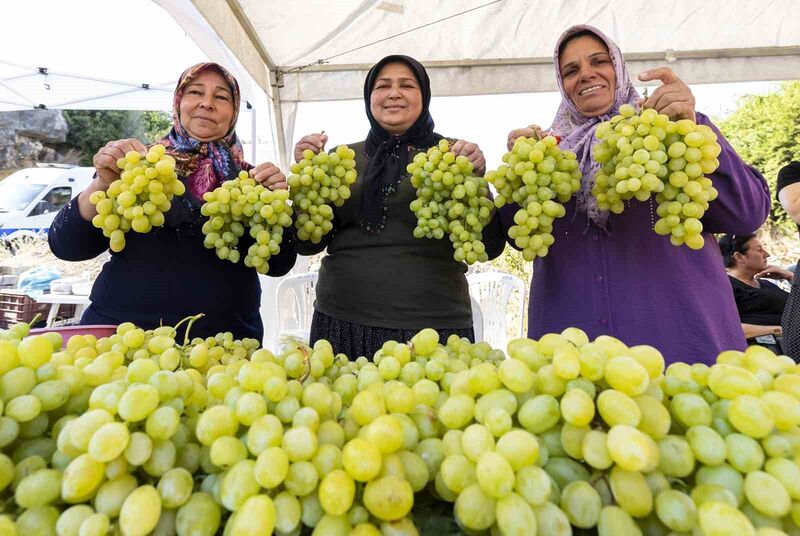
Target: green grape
point(655, 418)
point(241, 206)
point(744, 453)
point(139, 198)
point(615, 407)
point(317, 183)
point(725, 476)
point(539, 178)
point(721, 519)
point(38, 488)
point(551, 520)
point(474, 509)
point(582, 504)
point(388, 498)
point(199, 516)
point(495, 475)
point(238, 485)
point(751, 416)
point(514, 516)
point(614, 521)
point(577, 407)
point(641, 154)
point(631, 492)
point(256, 516)
point(450, 201)
point(767, 494)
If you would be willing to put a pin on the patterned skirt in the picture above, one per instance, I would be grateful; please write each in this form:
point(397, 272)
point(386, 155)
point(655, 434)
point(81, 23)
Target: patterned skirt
point(791, 319)
point(354, 340)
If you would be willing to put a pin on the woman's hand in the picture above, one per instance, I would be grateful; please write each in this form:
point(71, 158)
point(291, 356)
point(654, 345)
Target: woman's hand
point(775, 272)
point(473, 153)
point(105, 164)
point(105, 160)
point(531, 131)
point(673, 98)
point(314, 142)
point(270, 176)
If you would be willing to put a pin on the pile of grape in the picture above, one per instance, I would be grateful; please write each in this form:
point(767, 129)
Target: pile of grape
point(316, 182)
point(646, 153)
point(137, 434)
point(243, 204)
point(139, 198)
point(450, 200)
point(539, 177)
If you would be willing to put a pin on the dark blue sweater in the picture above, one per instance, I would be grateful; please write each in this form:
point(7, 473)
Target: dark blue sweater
point(167, 274)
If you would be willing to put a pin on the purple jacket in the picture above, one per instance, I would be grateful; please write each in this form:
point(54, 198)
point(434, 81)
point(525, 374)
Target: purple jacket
point(634, 285)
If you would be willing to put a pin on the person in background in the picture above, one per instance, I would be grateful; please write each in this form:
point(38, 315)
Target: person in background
point(612, 274)
point(378, 282)
point(167, 274)
point(760, 302)
point(788, 192)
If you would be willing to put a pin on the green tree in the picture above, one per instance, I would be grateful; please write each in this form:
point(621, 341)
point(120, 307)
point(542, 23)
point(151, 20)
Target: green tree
point(89, 130)
point(765, 131)
point(156, 125)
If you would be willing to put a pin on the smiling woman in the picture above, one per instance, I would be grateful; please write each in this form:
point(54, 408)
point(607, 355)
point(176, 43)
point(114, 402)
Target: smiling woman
point(587, 73)
point(611, 274)
point(167, 274)
point(378, 282)
point(206, 109)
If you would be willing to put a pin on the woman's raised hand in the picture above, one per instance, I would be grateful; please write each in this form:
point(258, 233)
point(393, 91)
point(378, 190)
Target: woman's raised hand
point(531, 131)
point(270, 176)
point(673, 98)
point(314, 142)
point(473, 153)
point(105, 160)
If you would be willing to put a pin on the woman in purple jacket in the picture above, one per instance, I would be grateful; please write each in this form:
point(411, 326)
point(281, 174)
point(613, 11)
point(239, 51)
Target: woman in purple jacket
point(612, 274)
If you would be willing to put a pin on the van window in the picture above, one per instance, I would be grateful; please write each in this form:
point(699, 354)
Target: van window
point(16, 196)
point(53, 201)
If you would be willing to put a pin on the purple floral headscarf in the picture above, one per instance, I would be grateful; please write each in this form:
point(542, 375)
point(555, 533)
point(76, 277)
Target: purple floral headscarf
point(204, 165)
point(577, 130)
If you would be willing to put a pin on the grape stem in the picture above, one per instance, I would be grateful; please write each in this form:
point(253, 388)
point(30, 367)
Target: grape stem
point(35, 319)
point(192, 320)
point(306, 361)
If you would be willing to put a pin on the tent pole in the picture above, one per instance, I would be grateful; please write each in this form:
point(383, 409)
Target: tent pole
point(253, 139)
point(280, 135)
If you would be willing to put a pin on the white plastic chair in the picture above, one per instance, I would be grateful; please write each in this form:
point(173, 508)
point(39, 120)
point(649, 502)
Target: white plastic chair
point(492, 291)
point(294, 315)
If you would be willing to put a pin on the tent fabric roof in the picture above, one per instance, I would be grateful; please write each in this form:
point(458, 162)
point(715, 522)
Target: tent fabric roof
point(316, 50)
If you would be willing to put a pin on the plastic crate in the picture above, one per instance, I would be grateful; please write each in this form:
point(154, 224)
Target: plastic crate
point(16, 306)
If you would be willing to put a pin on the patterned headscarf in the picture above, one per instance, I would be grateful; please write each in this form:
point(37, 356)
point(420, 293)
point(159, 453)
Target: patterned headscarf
point(204, 165)
point(577, 130)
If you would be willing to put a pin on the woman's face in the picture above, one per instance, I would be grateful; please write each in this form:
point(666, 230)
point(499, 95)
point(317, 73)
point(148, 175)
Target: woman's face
point(396, 99)
point(206, 108)
point(588, 75)
point(755, 258)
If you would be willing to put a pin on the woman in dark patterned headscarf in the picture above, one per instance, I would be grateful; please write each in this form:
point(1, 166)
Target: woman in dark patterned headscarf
point(378, 282)
point(612, 274)
point(168, 274)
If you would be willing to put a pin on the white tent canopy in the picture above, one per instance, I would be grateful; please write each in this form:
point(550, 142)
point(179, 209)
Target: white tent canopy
point(316, 50)
point(106, 55)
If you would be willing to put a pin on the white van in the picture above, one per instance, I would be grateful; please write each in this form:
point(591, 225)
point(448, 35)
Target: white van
point(30, 198)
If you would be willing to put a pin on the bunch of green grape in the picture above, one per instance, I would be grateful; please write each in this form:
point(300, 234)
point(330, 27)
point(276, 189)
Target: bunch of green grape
point(139, 198)
point(243, 205)
point(317, 182)
point(146, 432)
point(646, 153)
point(450, 200)
point(539, 177)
